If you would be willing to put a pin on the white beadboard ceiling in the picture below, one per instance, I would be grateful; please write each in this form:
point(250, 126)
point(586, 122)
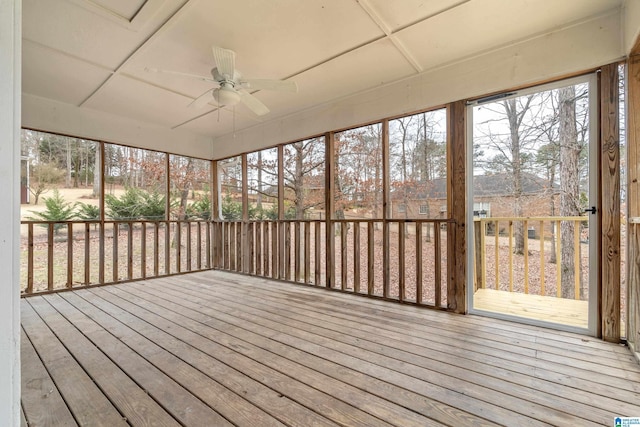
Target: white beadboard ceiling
point(92, 54)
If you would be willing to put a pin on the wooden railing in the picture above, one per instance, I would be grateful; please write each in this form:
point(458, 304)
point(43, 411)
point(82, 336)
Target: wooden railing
point(537, 268)
point(69, 254)
point(403, 260)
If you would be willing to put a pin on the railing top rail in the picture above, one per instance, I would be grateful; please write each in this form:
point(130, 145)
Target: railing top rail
point(531, 218)
point(341, 220)
point(111, 221)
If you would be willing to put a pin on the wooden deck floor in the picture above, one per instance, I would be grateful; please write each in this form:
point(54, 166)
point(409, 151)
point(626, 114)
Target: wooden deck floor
point(215, 349)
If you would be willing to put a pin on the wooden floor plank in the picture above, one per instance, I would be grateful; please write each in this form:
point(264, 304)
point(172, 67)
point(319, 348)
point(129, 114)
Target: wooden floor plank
point(253, 351)
point(257, 368)
point(510, 381)
point(231, 406)
point(40, 396)
point(132, 401)
point(364, 397)
point(85, 400)
point(512, 343)
point(175, 399)
point(501, 331)
point(547, 408)
point(268, 399)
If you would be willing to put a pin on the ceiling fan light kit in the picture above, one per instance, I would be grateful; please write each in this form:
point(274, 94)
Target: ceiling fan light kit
point(226, 95)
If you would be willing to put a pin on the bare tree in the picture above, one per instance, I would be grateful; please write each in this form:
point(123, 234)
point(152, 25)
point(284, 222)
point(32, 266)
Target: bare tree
point(569, 188)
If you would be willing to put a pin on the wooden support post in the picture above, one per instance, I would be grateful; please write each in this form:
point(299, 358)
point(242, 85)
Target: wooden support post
point(456, 194)
point(386, 210)
point(329, 204)
point(610, 203)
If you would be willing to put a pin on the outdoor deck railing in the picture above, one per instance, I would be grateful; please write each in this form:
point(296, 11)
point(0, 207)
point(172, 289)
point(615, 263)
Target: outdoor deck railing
point(405, 260)
point(537, 269)
point(68, 254)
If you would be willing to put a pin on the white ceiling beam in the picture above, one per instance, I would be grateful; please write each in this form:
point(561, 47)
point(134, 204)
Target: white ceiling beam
point(165, 25)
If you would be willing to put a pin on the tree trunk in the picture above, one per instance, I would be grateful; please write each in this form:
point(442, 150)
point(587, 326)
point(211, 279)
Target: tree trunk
point(569, 190)
point(97, 173)
point(514, 118)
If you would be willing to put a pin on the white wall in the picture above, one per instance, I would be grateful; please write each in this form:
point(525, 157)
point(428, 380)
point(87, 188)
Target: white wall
point(57, 117)
point(577, 48)
point(10, 48)
point(631, 30)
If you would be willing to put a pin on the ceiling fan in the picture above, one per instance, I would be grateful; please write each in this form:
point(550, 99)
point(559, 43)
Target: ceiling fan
point(231, 88)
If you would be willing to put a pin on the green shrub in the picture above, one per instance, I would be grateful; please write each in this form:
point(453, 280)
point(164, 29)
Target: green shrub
point(153, 206)
point(231, 209)
point(136, 204)
point(200, 209)
point(57, 210)
point(88, 212)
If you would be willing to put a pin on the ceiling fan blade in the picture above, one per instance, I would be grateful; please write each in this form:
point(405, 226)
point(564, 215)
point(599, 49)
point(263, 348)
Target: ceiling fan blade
point(225, 61)
point(278, 85)
point(178, 73)
point(253, 103)
point(202, 100)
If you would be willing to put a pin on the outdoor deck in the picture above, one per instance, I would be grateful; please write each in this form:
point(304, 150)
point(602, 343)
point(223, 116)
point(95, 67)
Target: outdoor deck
point(215, 348)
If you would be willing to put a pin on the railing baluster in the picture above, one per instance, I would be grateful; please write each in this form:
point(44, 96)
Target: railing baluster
point(275, 237)
point(317, 261)
point(50, 257)
point(30, 258)
point(558, 261)
point(297, 247)
point(258, 243)
point(401, 261)
point(370, 258)
point(167, 247)
point(525, 227)
point(116, 235)
point(438, 267)
point(510, 256)
point(265, 243)
point(576, 259)
point(178, 240)
point(307, 252)
point(419, 262)
point(87, 253)
point(496, 232)
point(101, 254)
point(483, 258)
point(189, 259)
point(252, 249)
point(287, 250)
point(129, 250)
point(356, 256)
point(199, 245)
point(542, 260)
point(69, 254)
point(143, 249)
point(343, 255)
point(156, 248)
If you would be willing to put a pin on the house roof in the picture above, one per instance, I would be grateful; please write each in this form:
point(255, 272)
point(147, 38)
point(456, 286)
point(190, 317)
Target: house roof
point(490, 185)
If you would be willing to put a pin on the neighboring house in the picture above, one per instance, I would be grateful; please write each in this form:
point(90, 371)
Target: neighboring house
point(492, 197)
